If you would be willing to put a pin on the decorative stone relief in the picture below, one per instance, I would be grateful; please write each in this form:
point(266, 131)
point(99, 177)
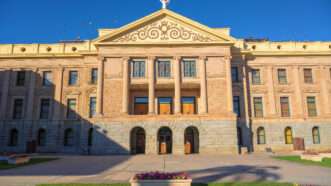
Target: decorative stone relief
point(164, 30)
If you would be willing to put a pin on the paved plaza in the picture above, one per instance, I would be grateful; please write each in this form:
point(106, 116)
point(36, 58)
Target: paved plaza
point(203, 168)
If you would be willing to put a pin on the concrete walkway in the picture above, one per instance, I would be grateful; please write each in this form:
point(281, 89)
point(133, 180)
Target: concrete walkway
point(109, 169)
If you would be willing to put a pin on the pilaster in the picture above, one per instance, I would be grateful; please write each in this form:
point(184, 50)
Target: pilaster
point(125, 98)
point(151, 85)
point(177, 76)
point(227, 60)
point(203, 85)
point(100, 86)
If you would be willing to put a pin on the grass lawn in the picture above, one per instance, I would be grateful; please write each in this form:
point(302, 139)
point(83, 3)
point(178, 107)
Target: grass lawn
point(4, 165)
point(325, 163)
point(194, 184)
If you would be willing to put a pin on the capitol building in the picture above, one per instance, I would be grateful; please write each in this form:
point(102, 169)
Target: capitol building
point(165, 84)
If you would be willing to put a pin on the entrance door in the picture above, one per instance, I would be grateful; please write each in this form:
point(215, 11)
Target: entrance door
point(165, 140)
point(191, 139)
point(138, 140)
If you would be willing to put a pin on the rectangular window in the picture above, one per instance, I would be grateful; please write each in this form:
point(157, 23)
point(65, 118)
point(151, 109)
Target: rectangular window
point(138, 69)
point(141, 105)
point(73, 77)
point(165, 105)
point(284, 106)
point(164, 68)
point(94, 75)
point(308, 75)
point(18, 109)
point(20, 78)
point(188, 105)
point(93, 106)
point(258, 107)
point(282, 76)
point(234, 74)
point(236, 105)
point(311, 104)
point(71, 109)
point(256, 79)
point(44, 108)
point(189, 68)
point(47, 78)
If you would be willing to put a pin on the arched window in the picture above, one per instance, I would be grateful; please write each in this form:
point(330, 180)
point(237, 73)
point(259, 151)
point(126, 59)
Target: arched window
point(261, 135)
point(41, 137)
point(316, 135)
point(288, 135)
point(68, 137)
point(90, 137)
point(13, 138)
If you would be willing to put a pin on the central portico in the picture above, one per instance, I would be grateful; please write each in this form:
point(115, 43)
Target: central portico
point(165, 66)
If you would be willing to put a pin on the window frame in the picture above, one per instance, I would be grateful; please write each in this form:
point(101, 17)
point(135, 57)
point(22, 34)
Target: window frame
point(69, 140)
point(312, 113)
point(253, 76)
point(310, 79)
point(288, 134)
point(71, 81)
point(14, 108)
point(45, 81)
point(236, 74)
point(282, 113)
point(41, 108)
point(314, 135)
point(255, 109)
point(164, 74)
point(141, 72)
point(73, 111)
point(41, 142)
point(20, 78)
point(239, 107)
point(191, 72)
point(282, 78)
point(94, 76)
point(92, 110)
point(260, 136)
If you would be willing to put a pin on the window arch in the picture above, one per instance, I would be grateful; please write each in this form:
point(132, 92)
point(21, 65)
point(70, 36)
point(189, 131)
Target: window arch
point(288, 135)
point(261, 136)
point(41, 137)
point(68, 137)
point(316, 135)
point(13, 138)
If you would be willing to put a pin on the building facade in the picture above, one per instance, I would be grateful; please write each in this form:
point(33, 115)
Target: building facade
point(165, 84)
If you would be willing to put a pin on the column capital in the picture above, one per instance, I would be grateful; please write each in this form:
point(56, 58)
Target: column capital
point(126, 58)
point(101, 58)
point(203, 58)
point(227, 57)
point(177, 58)
point(151, 58)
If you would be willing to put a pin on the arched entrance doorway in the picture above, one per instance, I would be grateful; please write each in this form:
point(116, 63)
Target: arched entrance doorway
point(191, 140)
point(137, 140)
point(165, 140)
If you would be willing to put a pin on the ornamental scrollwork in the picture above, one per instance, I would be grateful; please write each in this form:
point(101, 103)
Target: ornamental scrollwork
point(164, 30)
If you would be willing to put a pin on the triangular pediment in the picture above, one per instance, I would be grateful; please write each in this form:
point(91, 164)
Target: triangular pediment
point(164, 27)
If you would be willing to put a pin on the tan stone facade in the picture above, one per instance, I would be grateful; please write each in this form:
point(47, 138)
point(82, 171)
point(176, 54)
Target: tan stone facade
point(110, 95)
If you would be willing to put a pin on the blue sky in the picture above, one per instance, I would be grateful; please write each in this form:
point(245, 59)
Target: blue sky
point(48, 21)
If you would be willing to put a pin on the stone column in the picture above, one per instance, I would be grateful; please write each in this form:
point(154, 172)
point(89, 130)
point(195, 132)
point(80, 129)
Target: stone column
point(58, 84)
point(203, 86)
point(30, 99)
point(100, 86)
point(177, 76)
point(125, 98)
point(298, 93)
point(228, 83)
point(151, 85)
point(271, 93)
point(245, 93)
point(324, 90)
point(4, 93)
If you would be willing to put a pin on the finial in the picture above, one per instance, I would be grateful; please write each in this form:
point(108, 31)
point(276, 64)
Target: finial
point(165, 3)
